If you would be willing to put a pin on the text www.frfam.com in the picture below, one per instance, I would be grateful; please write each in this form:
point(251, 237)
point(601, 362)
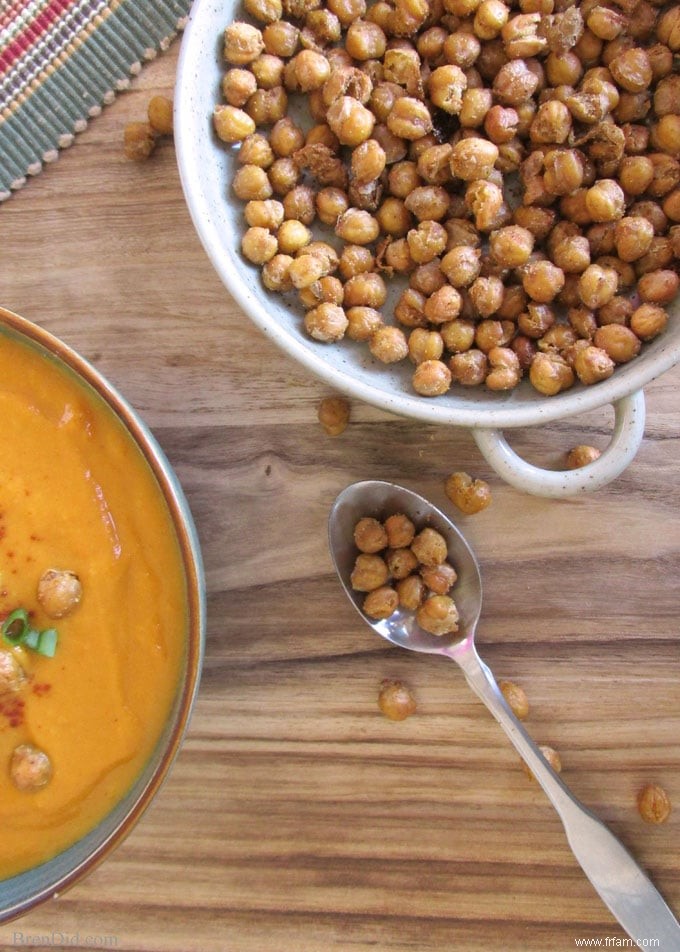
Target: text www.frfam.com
point(614, 942)
point(64, 939)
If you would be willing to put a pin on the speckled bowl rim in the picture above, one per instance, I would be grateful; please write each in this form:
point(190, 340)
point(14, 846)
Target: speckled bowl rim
point(38, 884)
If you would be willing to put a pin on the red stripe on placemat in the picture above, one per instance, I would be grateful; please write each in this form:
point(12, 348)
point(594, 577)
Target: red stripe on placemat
point(36, 28)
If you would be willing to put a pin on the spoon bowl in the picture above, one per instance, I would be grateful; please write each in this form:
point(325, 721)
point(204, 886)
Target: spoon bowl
point(621, 884)
point(380, 499)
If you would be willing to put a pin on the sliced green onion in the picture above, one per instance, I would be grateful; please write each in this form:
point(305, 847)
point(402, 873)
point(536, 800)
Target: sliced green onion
point(15, 627)
point(47, 643)
point(31, 639)
point(16, 630)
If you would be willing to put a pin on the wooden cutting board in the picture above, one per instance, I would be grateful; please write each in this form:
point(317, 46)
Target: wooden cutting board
point(297, 818)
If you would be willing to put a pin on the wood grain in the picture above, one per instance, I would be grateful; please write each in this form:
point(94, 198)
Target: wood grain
point(296, 818)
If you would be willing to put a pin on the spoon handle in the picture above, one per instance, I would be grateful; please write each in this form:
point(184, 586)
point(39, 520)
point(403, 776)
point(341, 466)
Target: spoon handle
point(621, 884)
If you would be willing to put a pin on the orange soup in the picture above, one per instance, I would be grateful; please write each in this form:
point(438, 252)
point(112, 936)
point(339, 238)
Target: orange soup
point(77, 497)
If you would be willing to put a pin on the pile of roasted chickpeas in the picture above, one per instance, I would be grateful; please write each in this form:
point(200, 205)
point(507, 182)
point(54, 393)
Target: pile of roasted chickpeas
point(516, 162)
point(400, 567)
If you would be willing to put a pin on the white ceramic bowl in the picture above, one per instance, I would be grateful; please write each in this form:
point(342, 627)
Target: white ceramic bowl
point(25, 890)
point(206, 168)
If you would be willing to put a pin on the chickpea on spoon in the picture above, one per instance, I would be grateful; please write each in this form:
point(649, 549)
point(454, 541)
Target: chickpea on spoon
point(620, 882)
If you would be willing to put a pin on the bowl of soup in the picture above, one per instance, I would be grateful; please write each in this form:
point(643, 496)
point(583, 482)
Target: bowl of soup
point(216, 70)
point(102, 616)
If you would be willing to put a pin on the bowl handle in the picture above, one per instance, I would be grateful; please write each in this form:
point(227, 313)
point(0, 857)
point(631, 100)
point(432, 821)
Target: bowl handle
point(629, 426)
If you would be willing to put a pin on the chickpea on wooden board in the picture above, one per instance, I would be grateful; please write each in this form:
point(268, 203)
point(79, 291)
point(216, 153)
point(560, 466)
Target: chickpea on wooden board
point(139, 138)
point(415, 121)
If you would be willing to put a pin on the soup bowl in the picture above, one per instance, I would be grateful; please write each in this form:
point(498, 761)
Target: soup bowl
point(88, 494)
point(206, 169)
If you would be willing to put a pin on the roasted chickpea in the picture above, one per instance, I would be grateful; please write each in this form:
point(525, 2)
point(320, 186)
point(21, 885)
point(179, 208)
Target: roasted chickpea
point(409, 119)
point(461, 265)
point(505, 371)
point(299, 204)
point(388, 344)
point(429, 547)
point(632, 70)
point(347, 11)
point(582, 455)
point(30, 768)
point(473, 159)
point(438, 615)
point(551, 757)
point(458, 335)
point(292, 236)
point(605, 201)
point(617, 310)
point(550, 373)
point(238, 85)
point(159, 114)
point(428, 202)
point(268, 70)
point(370, 535)
point(592, 364)
point(654, 805)
point(12, 675)
point(439, 579)
point(635, 174)
point(411, 592)
point(542, 281)
point(351, 121)
point(648, 321)
point(400, 562)
point(564, 171)
point(658, 287)
point(334, 415)
point(362, 323)
point(431, 378)
point(357, 226)
point(281, 38)
point(232, 124)
point(468, 495)
point(424, 345)
point(256, 150)
point(469, 368)
point(516, 698)
point(618, 341)
point(572, 255)
point(381, 602)
point(365, 290)
point(514, 83)
point(259, 245)
point(475, 105)
point(427, 278)
point(511, 246)
point(59, 592)
point(243, 43)
point(446, 86)
point(355, 259)
point(597, 286)
point(369, 572)
point(284, 175)
point(633, 236)
point(396, 701)
point(400, 530)
point(266, 11)
point(326, 323)
point(668, 29)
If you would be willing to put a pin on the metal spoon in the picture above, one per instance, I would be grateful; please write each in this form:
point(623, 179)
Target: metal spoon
point(622, 885)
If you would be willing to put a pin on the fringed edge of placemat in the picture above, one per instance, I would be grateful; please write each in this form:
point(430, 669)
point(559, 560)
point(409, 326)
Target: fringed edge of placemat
point(28, 140)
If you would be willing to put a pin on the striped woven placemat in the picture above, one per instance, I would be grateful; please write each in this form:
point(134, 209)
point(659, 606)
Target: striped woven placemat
point(61, 61)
